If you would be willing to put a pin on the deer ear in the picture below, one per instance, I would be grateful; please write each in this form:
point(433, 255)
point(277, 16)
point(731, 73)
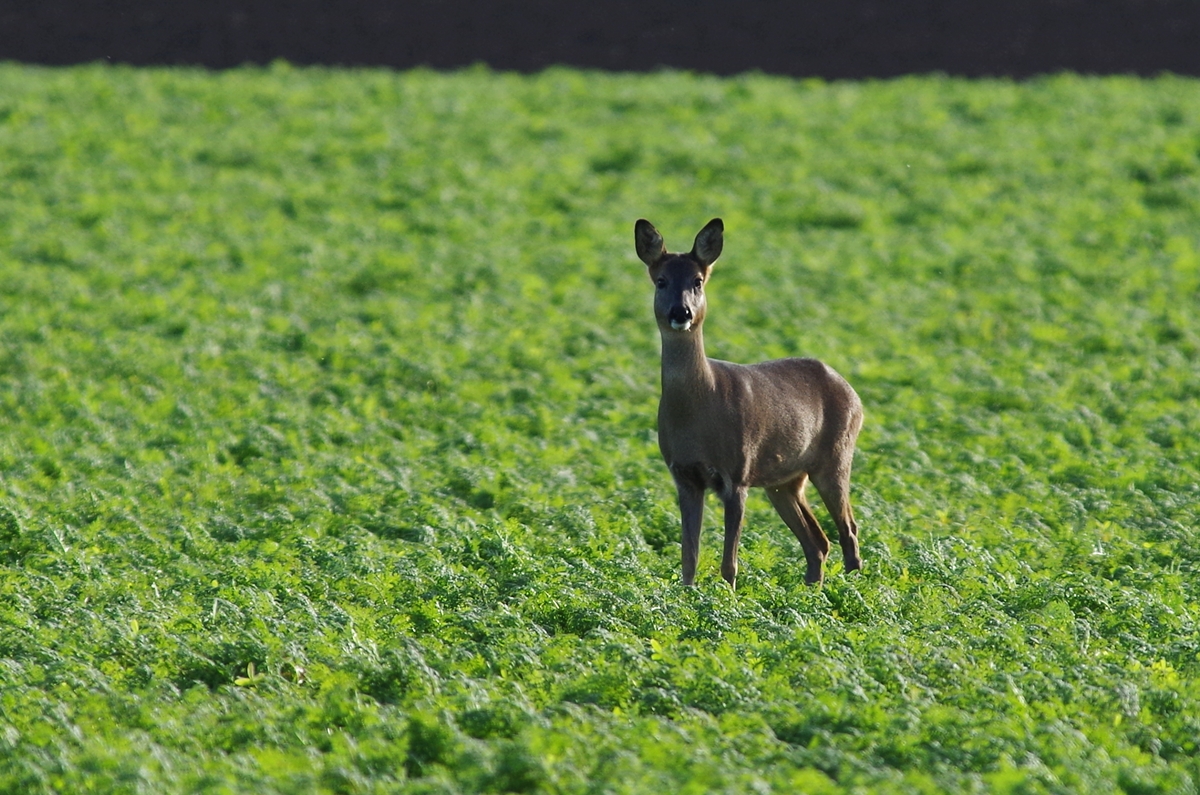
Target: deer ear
point(708, 243)
point(649, 242)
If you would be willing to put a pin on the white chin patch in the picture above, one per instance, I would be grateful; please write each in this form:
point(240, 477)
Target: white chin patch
point(684, 326)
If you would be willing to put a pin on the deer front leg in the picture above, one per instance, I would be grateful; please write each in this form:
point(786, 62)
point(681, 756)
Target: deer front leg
point(735, 511)
point(691, 511)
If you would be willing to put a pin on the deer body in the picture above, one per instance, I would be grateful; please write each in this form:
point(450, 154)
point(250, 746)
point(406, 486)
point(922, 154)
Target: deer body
point(729, 427)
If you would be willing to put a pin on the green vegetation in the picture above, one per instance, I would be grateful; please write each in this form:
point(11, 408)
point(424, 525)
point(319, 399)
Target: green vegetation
point(327, 456)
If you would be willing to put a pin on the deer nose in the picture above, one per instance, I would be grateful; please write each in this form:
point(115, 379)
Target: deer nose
point(679, 315)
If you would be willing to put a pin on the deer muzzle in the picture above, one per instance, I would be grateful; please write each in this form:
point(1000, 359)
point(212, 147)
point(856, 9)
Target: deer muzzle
point(680, 317)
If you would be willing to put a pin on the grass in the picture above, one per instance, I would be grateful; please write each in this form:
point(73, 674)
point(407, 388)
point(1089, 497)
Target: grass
point(328, 457)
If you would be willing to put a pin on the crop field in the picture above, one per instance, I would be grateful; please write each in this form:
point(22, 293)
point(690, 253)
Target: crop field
point(327, 434)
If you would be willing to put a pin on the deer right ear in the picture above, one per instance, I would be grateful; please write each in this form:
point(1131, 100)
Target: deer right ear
point(649, 243)
point(708, 243)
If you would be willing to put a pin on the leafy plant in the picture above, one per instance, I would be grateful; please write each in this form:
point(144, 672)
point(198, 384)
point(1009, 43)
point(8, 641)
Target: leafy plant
point(328, 460)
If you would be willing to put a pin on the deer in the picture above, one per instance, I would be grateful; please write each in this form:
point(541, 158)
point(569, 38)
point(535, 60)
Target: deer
point(728, 427)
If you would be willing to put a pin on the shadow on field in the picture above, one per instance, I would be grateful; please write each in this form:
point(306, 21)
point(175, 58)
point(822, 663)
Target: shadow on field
point(856, 39)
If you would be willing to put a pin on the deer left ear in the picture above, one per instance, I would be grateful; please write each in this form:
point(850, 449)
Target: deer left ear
point(708, 243)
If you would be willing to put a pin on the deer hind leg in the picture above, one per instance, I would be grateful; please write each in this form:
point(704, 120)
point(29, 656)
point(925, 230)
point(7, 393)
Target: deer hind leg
point(790, 503)
point(833, 485)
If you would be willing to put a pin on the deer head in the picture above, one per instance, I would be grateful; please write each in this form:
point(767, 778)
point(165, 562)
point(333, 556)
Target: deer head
point(679, 278)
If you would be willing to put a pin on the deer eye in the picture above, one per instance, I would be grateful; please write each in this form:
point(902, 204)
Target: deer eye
point(662, 283)
point(699, 282)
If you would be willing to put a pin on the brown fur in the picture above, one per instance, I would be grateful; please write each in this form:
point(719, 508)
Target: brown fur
point(728, 427)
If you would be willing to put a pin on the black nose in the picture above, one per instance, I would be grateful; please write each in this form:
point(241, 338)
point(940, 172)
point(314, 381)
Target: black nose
point(679, 314)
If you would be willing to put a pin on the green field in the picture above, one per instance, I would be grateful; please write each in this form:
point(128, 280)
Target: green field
point(327, 446)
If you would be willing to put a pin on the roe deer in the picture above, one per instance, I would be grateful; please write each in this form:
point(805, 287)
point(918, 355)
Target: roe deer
point(728, 427)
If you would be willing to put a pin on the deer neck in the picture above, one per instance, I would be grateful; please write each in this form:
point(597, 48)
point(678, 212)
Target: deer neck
point(686, 372)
